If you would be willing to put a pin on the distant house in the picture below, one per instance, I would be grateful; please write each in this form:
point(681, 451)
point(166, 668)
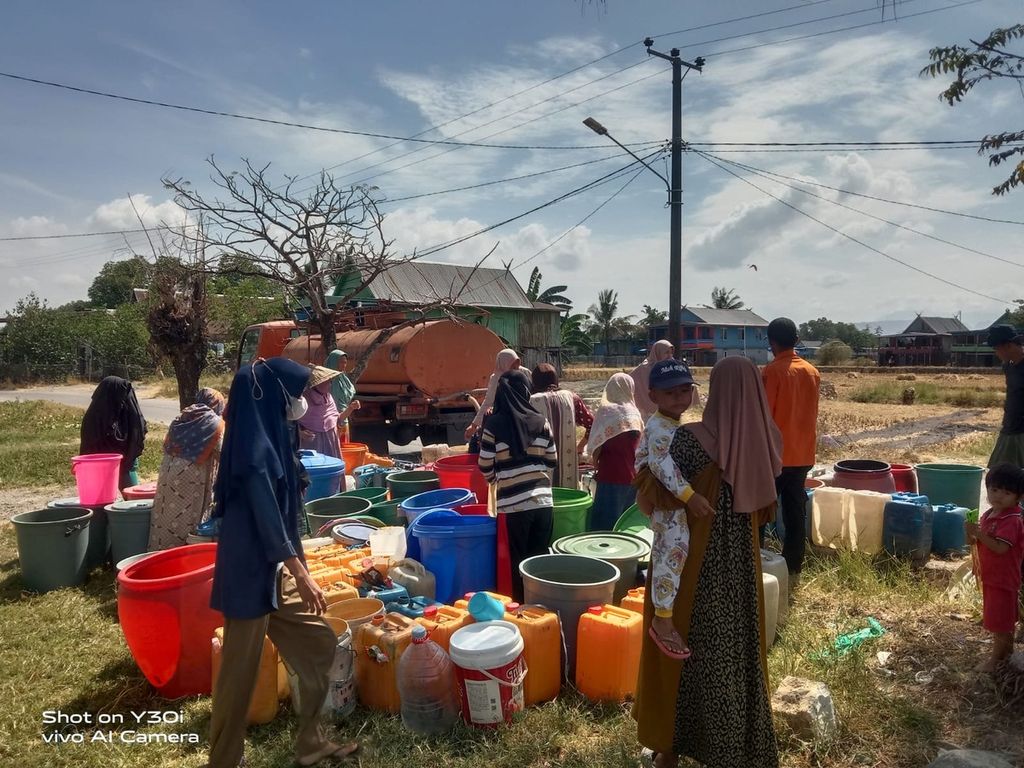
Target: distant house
point(927, 341)
point(708, 335)
point(808, 348)
point(969, 347)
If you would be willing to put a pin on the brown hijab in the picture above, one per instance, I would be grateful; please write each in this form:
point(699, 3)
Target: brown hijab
point(738, 433)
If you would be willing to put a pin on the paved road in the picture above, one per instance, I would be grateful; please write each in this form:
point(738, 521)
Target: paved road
point(160, 410)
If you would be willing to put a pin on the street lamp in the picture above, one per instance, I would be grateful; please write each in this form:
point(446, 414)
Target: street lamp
point(600, 130)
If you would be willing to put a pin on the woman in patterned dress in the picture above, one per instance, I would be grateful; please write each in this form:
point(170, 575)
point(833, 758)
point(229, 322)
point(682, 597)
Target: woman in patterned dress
point(184, 491)
point(714, 708)
point(565, 411)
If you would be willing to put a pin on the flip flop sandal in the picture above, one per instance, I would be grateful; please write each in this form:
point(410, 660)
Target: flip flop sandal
point(647, 757)
point(665, 649)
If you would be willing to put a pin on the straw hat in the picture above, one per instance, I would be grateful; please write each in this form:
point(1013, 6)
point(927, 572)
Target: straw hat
point(319, 374)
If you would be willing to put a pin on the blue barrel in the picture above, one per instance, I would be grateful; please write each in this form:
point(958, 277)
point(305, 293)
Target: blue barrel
point(907, 527)
point(948, 537)
point(442, 498)
point(326, 474)
point(461, 552)
point(413, 607)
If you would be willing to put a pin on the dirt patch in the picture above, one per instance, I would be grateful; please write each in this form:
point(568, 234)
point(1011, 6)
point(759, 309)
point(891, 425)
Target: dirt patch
point(15, 500)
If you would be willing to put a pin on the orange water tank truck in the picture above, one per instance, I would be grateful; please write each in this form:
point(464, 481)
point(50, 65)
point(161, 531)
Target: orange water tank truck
point(425, 381)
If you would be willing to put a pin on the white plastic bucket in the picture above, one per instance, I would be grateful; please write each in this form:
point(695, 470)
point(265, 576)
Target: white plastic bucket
point(489, 671)
point(388, 542)
point(341, 689)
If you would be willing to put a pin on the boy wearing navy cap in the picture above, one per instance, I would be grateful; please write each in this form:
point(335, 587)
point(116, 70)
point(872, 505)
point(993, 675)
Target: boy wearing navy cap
point(671, 390)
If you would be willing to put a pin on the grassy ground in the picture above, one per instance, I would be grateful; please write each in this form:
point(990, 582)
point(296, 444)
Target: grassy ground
point(38, 439)
point(930, 393)
point(64, 650)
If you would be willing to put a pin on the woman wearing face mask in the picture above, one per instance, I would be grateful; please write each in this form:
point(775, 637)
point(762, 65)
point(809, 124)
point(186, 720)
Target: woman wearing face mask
point(319, 425)
point(260, 581)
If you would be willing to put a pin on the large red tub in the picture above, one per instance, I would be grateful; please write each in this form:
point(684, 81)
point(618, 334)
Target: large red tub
point(461, 471)
point(163, 603)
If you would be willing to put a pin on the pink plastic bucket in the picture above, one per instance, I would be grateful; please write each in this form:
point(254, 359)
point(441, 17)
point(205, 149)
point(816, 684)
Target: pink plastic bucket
point(96, 475)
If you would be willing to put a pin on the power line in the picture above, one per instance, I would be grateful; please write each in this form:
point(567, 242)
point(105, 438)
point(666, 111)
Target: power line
point(972, 142)
point(875, 198)
point(872, 216)
point(859, 242)
point(799, 6)
point(804, 150)
point(285, 123)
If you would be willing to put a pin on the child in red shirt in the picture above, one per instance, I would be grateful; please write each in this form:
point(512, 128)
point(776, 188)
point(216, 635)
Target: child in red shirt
point(1000, 538)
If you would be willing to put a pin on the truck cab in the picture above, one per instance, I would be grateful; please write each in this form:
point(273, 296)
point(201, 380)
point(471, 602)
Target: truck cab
point(266, 340)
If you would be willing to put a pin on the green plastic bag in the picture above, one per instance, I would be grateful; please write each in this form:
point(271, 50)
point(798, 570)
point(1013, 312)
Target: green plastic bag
point(846, 643)
point(971, 516)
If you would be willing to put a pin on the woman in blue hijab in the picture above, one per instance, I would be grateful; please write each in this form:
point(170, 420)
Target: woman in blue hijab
point(260, 582)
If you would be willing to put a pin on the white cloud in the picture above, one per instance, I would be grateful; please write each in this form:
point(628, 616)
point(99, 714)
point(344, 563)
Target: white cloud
point(125, 212)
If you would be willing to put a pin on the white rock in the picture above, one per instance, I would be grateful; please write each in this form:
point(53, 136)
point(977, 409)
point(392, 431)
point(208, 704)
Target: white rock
point(807, 708)
point(969, 758)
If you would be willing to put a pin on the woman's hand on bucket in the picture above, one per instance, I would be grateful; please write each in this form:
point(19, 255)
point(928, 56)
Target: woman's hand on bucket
point(312, 597)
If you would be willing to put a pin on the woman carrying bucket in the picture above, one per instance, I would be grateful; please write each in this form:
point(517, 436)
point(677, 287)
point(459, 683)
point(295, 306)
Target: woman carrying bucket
point(612, 447)
point(113, 423)
point(714, 707)
point(184, 492)
point(517, 454)
point(260, 581)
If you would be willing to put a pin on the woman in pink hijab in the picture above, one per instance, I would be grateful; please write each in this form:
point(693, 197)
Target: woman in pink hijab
point(506, 360)
point(714, 708)
point(660, 350)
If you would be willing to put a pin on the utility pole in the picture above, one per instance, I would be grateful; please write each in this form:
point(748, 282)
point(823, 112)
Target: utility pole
point(675, 267)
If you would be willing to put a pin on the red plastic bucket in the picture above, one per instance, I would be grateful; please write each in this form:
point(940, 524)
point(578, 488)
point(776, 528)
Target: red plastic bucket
point(504, 561)
point(96, 475)
point(141, 491)
point(472, 509)
point(163, 603)
point(812, 482)
point(905, 477)
point(461, 471)
point(489, 672)
point(863, 475)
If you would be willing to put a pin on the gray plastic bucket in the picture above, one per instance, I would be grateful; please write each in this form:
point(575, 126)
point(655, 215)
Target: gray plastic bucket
point(128, 523)
point(568, 584)
point(52, 545)
point(99, 538)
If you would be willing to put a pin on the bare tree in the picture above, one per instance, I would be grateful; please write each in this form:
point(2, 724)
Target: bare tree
point(324, 245)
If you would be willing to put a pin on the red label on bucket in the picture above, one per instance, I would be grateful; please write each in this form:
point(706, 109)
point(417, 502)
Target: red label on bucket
point(492, 696)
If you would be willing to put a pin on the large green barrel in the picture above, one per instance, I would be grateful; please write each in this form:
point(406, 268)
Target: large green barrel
point(570, 511)
point(958, 484)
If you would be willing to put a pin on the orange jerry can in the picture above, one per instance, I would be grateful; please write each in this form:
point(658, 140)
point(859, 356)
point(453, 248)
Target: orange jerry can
point(608, 645)
point(542, 652)
point(379, 645)
point(464, 602)
point(442, 621)
point(634, 600)
point(263, 707)
point(335, 593)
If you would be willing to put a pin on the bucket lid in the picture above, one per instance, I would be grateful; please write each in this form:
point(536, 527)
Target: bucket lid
point(486, 644)
point(131, 505)
point(67, 501)
point(354, 531)
point(320, 463)
point(606, 546)
point(438, 498)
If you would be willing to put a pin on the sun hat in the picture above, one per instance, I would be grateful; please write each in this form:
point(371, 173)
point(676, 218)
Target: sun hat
point(667, 374)
point(319, 374)
point(1002, 334)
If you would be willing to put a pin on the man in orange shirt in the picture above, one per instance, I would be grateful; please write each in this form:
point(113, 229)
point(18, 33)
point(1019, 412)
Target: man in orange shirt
point(791, 384)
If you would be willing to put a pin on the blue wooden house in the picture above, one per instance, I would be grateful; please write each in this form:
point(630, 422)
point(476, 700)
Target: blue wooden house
point(710, 334)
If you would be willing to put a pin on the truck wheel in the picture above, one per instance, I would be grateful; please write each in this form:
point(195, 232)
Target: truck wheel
point(376, 438)
point(403, 433)
point(433, 435)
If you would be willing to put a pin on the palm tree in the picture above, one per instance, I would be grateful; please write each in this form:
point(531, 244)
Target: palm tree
point(552, 295)
point(574, 337)
point(722, 298)
point(604, 313)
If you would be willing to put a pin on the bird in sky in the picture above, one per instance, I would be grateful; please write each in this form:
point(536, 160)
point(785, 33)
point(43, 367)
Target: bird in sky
point(753, 266)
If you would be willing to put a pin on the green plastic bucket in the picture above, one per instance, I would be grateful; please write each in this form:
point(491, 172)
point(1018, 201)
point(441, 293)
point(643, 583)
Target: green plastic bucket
point(375, 495)
point(568, 584)
point(637, 523)
point(52, 547)
point(958, 484)
point(405, 484)
point(322, 511)
point(389, 513)
point(128, 524)
point(623, 550)
point(570, 512)
point(99, 538)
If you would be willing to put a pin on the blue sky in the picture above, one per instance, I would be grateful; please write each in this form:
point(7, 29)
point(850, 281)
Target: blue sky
point(69, 161)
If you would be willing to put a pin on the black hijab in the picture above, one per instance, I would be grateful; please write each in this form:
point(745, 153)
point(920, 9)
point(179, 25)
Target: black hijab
point(514, 421)
point(113, 422)
point(258, 438)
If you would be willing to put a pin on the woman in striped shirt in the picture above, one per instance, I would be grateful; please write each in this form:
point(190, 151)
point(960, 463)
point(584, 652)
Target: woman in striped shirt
point(517, 454)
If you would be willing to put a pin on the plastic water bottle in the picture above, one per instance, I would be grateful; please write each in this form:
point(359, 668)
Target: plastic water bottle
point(426, 685)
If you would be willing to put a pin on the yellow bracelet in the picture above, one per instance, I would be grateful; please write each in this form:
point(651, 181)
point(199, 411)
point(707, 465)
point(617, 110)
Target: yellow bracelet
point(686, 494)
point(663, 613)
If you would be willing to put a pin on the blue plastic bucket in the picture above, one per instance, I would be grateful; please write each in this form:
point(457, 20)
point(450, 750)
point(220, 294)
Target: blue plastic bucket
point(442, 498)
point(461, 552)
point(325, 474)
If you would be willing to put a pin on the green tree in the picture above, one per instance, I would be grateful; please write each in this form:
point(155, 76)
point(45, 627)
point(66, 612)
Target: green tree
point(652, 316)
point(605, 312)
point(824, 329)
point(551, 295)
point(989, 59)
point(113, 286)
point(574, 337)
point(834, 353)
point(721, 298)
